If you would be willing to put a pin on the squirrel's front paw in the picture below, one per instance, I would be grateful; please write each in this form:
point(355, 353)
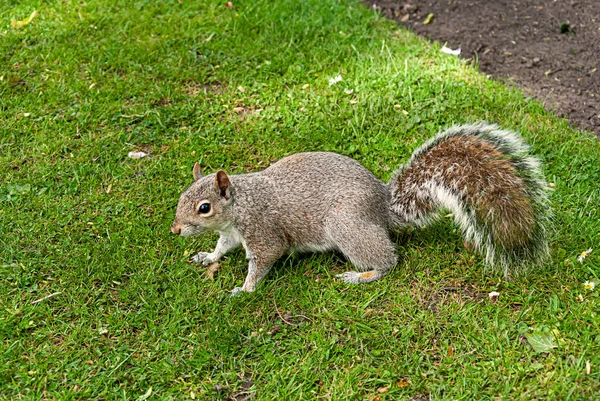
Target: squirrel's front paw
point(204, 258)
point(237, 291)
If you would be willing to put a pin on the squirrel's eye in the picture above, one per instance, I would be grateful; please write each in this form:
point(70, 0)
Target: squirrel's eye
point(204, 208)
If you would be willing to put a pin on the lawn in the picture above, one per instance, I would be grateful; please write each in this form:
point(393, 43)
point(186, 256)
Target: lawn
point(129, 317)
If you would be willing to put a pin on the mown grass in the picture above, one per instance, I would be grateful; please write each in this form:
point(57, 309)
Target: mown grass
point(86, 83)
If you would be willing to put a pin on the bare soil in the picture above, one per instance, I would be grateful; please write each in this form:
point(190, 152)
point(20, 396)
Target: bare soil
point(549, 48)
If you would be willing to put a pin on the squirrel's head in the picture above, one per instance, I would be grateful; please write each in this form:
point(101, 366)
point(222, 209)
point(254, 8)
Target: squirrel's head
point(205, 206)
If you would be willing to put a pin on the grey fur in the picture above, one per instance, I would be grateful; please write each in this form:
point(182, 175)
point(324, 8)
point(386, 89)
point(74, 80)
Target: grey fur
point(322, 201)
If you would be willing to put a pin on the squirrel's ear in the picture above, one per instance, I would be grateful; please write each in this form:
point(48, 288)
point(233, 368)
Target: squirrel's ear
point(197, 172)
point(222, 184)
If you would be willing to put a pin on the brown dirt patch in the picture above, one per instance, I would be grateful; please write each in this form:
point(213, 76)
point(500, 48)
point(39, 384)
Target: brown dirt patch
point(521, 42)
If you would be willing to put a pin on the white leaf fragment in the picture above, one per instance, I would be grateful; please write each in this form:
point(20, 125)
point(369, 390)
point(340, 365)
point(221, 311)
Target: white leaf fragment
point(137, 155)
point(448, 50)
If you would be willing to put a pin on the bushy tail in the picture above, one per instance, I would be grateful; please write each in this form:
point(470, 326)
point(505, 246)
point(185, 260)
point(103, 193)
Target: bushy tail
point(493, 187)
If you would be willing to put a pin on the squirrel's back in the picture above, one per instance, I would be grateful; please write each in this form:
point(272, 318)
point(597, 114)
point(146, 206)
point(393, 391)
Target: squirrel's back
point(321, 180)
point(302, 193)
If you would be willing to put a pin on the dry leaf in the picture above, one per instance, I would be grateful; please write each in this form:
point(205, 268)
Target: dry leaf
point(241, 89)
point(448, 50)
point(450, 351)
point(383, 390)
point(25, 22)
point(137, 155)
point(212, 269)
point(405, 18)
point(146, 395)
point(402, 383)
point(229, 4)
point(428, 19)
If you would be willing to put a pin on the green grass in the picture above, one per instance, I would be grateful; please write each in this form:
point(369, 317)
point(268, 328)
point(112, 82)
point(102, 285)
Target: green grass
point(86, 83)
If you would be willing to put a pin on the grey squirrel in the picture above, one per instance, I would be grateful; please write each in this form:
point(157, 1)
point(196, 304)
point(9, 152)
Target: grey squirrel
point(320, 201)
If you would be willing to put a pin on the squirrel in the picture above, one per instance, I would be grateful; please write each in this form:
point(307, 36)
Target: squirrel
point(321, 201)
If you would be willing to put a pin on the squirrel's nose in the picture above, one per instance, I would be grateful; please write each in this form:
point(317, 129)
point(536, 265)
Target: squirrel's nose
point(176, 229)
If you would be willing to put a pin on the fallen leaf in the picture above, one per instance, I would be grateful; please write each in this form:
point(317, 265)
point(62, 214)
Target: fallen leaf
point(241, 89)
point(405, 18)
point(383, 390)
point(137, 155)
point(448, 50)
point(541, 342)
point(428, 19)
point(450, 351)
point(212, 269)
point(25, 22)
point(403, 383)
point(146, 395)
point(229, 4)
point(588, 367)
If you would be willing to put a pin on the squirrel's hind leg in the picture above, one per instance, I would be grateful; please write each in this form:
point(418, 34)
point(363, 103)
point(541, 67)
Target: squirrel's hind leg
point(367, 245)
